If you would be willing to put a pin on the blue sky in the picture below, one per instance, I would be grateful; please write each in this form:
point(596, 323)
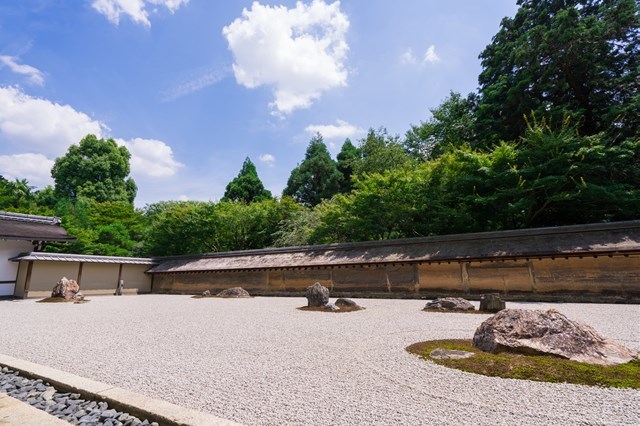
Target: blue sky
point(192, 87)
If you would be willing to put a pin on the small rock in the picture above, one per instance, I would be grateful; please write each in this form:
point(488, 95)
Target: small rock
point(234, 292)
point(206, 293)
point(491, 303)
point(48, 394)
point(87, 419)
point(331, 307)
point(346, 302)
point(108, 413)
point(450, 304)
point(317, 295)
point(440, 353)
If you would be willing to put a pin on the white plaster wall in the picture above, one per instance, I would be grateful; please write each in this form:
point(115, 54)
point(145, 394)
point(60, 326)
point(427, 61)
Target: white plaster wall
point(8, 270)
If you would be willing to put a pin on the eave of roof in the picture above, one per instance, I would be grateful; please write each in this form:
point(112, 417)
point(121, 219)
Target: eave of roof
point(84, 258)
point(25, 227)
point(619, 238)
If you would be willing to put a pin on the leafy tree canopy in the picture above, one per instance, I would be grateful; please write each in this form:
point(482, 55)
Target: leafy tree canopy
point(557, 59)
point(247, 186)
point(189, 227)
point(380, 152)
point(95, 169)
point(316, 178)
point(452, 124)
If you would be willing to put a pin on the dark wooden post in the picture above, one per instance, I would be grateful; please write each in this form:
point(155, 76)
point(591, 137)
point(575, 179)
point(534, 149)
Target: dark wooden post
point(79, 274)
point(27, 280)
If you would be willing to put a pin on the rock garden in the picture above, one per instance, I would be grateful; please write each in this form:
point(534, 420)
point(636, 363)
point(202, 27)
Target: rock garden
point(538, 345)
point(65, 291)
point(489, 303)
point(318, 301)
point(264, 362)
point(229, 293)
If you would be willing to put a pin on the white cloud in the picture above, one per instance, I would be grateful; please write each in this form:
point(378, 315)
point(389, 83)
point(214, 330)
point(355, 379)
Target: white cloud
point(204, 79)
point(151, 157)
point(40, 125)
point(34, 75)
point(36, 168)
point(172, 5)
point(430, 56)
point(268, 159)
point(408, 58)
point(299, 52)
point(342, 129)
point(135, 9)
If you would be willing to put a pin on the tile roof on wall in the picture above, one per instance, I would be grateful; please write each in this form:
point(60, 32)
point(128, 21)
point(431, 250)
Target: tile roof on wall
point(577, 240)
point(18, 226)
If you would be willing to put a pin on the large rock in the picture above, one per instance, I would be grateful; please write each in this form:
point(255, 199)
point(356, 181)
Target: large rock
point(234, 292)
point(317, 295)
point(491, 303)
point(450, 304)
point(550, 332)
point(67, 289)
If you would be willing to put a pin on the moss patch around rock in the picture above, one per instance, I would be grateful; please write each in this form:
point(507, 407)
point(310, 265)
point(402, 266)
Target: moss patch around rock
point(541, 368)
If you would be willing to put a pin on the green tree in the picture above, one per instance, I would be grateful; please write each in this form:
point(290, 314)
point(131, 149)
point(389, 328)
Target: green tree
point(316, 178)
point(452, 124)
point(17, 195)
point(557, 59)
point(247, 186)
point(191, 227)
point(347, 157)
point(571, 179)
point(95, 169)
point(112, 228)
point(380, 152)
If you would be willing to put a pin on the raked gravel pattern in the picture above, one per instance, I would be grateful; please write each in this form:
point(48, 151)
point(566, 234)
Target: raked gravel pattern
point(261, 361)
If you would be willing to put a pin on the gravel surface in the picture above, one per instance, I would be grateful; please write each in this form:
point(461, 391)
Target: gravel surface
point(261, 361)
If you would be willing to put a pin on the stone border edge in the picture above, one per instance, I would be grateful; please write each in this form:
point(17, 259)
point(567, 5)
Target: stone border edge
point(133, 403)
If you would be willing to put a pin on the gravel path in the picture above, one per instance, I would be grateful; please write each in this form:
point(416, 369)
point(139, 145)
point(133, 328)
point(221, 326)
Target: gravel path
point(261, 361)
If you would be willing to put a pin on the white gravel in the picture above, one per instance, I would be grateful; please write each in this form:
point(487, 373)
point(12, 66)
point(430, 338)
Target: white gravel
point(261, 361)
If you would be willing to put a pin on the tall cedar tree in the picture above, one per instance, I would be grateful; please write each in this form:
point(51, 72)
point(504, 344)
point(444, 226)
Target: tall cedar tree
point(247, 186)
point(96, 169)
point(347, 157)
point(563, 58)
point(316, 178)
